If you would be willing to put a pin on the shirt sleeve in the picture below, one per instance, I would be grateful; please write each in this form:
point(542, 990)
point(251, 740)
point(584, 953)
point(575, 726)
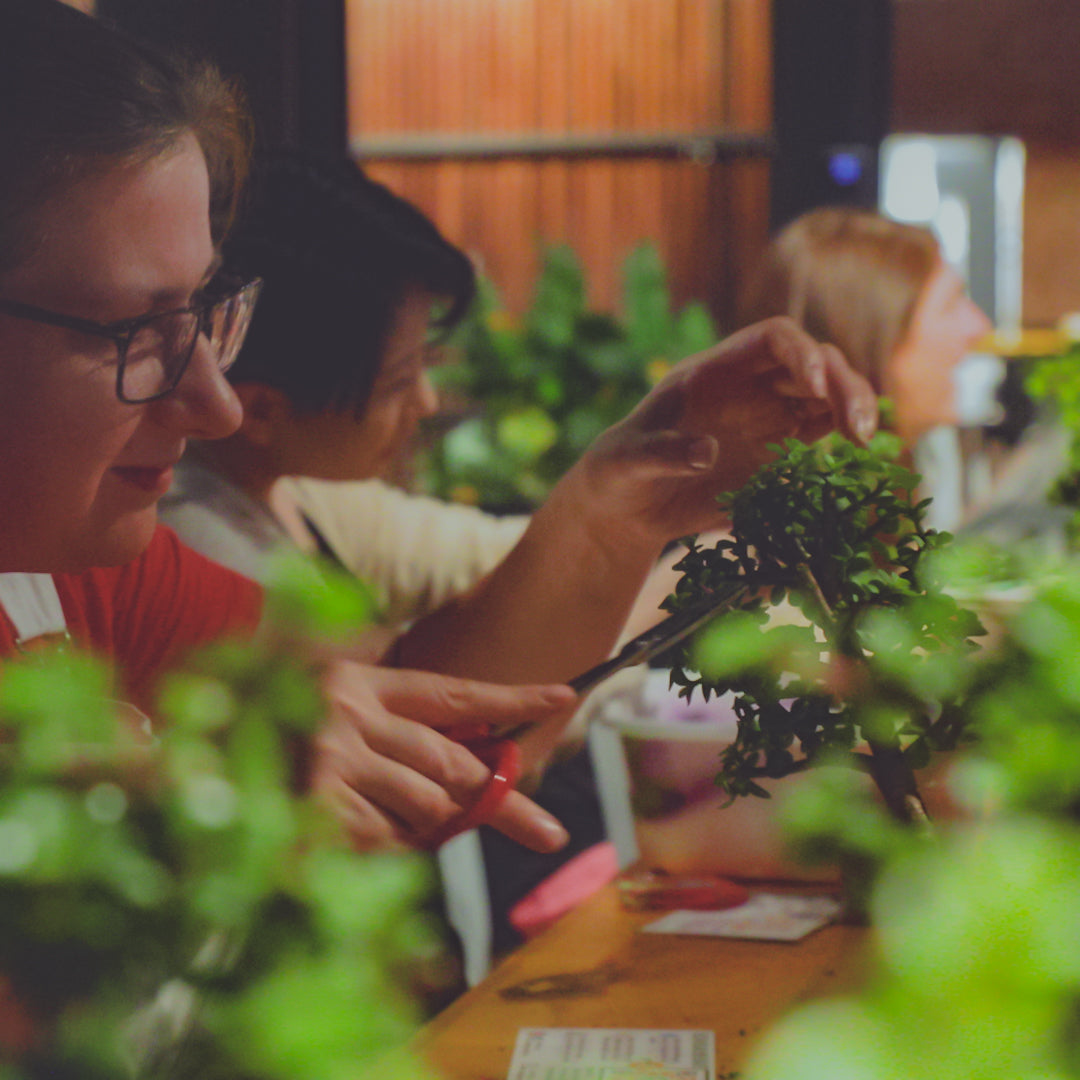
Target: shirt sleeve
point(416, 551)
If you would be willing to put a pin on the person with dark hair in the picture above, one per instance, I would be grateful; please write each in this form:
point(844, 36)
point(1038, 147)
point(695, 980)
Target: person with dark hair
point(357, 285)
point(358, 289)
point(114, 337)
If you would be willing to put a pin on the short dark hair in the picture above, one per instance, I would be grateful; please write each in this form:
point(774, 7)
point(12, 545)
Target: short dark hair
point(338, 253)
point(76, 92)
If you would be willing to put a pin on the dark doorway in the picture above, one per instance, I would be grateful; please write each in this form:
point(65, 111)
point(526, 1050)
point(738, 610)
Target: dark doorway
point(831, 79)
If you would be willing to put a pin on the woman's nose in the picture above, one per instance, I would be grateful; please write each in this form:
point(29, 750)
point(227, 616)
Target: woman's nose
point(204, 404)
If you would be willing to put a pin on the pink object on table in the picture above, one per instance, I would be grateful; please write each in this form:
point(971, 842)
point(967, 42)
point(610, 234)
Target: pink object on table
point(576, 880)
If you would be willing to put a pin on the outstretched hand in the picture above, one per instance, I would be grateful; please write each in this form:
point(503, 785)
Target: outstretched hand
point(706, 427)
point(392, 774)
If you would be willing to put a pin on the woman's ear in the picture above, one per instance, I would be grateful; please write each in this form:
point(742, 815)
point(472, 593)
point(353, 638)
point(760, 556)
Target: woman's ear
point(266, 410)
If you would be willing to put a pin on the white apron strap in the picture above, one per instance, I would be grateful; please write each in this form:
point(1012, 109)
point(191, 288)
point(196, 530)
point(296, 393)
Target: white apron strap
point(33, 605)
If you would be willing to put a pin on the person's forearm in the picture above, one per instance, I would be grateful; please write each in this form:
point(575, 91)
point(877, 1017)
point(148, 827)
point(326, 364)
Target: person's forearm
point(555, 606)
point(551, 609)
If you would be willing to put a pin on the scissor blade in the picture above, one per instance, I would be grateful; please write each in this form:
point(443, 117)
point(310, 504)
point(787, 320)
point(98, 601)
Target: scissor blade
point(662, 636)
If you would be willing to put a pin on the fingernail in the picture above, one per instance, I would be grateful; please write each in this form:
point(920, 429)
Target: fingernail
point(865, 424)
point(555, 835)
point(560, 695)
point(701, 453)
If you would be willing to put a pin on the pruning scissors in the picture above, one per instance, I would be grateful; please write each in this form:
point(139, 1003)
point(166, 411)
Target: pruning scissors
point(502, 754)
point(663, 635)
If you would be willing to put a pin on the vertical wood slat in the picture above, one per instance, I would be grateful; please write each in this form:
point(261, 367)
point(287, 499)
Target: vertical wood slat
point(573, 66)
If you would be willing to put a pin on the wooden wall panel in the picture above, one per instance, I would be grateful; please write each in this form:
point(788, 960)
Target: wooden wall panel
point(1051, 234)
point(997, 67)
point(574, 66)
point(1005, 67)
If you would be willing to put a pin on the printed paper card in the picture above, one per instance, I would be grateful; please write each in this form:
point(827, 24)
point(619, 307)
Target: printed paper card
point(613, 1054)
point(764, 917)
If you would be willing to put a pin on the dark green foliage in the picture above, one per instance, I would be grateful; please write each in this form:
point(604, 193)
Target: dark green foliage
point(547, 384)
point(835, 530)
point(975, 965)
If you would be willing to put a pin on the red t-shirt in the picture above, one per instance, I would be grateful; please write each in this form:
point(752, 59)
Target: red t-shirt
point(146, 615)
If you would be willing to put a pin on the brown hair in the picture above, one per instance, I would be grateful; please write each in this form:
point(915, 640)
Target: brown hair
point(849, 277)
point(76, 93)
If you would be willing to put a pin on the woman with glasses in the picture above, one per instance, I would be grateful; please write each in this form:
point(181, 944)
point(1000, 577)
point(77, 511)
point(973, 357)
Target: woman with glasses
point(110, 345)
point(116, 181)
point(118, 174)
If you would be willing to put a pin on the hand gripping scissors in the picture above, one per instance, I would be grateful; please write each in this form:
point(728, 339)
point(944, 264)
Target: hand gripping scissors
point(502, 755)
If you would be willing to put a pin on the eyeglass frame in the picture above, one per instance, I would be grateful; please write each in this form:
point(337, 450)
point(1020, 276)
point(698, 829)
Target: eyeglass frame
point(122, 332)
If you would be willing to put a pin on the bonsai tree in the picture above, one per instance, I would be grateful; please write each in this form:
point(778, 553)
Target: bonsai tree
point(869, 677)
point(179, 907)
point(545, 385)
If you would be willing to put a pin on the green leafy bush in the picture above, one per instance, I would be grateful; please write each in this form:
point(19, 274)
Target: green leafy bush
point(545, 385)
point(977, 961)
point(1056, 380)
point(173, 906)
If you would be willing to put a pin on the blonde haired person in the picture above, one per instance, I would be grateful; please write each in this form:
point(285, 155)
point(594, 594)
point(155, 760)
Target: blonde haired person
point(883, 294)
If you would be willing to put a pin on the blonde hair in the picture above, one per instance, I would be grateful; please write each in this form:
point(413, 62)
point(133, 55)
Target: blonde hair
point(849, 277)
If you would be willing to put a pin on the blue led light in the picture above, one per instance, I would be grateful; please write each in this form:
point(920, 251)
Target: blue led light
point(845, 168)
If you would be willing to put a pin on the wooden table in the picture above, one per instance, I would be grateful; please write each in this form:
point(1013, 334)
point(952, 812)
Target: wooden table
point(735, 988)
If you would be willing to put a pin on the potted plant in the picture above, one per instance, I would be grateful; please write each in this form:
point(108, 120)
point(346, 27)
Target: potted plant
point(869, 677)
point(538, 389)
point(178, 907)
point(975, 972)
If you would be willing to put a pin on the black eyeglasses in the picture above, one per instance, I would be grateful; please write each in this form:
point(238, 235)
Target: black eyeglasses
point(153, 351)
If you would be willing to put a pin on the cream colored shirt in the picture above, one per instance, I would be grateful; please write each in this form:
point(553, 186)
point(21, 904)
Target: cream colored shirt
point(417, 552)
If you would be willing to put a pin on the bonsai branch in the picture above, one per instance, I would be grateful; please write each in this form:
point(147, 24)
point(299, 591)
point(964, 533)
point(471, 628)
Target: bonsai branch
point(896, 782)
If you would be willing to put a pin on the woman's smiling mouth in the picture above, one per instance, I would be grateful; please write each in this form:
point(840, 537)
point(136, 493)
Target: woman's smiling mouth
point(153, 480)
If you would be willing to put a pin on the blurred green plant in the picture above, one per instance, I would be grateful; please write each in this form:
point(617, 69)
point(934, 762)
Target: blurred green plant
point(1055, 380)
point(873, 674)
point(977, 938)
point(173, 905)
point(546, 384)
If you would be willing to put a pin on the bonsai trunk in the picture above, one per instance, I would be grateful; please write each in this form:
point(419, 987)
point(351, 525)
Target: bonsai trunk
point(896, 782)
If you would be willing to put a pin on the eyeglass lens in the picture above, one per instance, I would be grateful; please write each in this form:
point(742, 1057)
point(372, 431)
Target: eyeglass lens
point(160, 349)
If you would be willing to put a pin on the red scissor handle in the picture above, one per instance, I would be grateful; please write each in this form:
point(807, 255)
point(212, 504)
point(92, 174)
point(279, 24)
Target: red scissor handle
point(503, 758)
